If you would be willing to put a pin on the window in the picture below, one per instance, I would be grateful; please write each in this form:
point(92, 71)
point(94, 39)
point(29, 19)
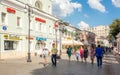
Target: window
point(49, 9)
point(10, 45)
point(38, 4)
point(45, 27)
point(54, 31)
point(51, 29)
point(38, 26)
point(3, 18)
point(38, 45)
point(18, 21)
point(31, 25)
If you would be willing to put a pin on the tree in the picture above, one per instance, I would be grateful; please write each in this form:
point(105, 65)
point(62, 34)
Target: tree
point(64, 30)
point(114, 28)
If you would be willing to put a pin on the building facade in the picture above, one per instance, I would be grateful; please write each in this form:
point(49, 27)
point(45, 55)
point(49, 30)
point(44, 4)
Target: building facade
point(100, 30)
point(23, 20)
point(101, 33)
point(118, 42)
point(87, 37)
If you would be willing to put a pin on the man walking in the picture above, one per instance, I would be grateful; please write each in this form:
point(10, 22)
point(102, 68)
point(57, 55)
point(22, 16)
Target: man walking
point(54, 55)
point(99, 55)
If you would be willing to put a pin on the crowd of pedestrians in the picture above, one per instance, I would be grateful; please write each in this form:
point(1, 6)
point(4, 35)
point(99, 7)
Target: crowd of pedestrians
point(81, 54)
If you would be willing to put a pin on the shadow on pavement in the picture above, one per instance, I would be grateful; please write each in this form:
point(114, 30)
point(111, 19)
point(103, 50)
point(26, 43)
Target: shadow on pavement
point(64, 67)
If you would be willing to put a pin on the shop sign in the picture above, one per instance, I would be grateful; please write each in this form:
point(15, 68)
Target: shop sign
point(4, 28)
point(40, 20)
point(6, 36)
point(56, 24)
point(38, 38)
point(14, 37)
point(30, 37)
point(11, 10)
point(68, 38)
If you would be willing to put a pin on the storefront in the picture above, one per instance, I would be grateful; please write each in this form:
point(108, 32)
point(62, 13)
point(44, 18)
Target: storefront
point(11, 42)
point(11, 45)
point(39, 45)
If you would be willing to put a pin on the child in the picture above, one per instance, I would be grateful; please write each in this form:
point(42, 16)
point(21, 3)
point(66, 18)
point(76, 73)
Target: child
point(77, 55)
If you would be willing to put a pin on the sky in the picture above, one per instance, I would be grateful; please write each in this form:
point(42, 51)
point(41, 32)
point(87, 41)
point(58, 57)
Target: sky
point(87, 13)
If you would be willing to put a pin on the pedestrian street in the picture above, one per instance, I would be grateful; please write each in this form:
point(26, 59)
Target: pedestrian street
point(111, 66)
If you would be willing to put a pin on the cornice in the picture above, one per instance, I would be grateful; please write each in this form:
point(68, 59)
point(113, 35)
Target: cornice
point(18, 5)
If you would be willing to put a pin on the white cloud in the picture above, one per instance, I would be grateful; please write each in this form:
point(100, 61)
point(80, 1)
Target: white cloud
point(85, 15)
point(95, 4)
point(82, 24)
point(63, 8)
point(116, 3)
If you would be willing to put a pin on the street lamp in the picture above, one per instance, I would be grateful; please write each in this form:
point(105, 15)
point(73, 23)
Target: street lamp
point(61, 30)
point(60, 38)
point(29, 14)
point(56, 27)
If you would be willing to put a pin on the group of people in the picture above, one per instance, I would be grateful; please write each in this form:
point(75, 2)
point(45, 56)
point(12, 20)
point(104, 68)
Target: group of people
point(83, 52)
point(53, 52)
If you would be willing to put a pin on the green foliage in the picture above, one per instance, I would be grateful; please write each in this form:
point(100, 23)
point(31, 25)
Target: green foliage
point(114, 28)
point(64, 30)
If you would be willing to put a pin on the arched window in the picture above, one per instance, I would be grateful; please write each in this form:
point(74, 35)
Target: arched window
point(38, 4)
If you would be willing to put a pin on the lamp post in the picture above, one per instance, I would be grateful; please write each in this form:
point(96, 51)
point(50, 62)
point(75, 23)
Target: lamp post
point(60, 37)
point(56, 37)
point(29, 14)
point(56, 26)
point(61, 31)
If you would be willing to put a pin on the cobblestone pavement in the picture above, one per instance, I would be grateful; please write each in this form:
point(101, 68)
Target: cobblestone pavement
point(111, 66)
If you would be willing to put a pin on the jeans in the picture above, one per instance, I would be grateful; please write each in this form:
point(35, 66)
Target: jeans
point(54, 59)
point(99, 61)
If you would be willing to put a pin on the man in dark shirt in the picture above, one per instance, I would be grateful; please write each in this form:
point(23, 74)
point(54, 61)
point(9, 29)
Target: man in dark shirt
point(99, 55)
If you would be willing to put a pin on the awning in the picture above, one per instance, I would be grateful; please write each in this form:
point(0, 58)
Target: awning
point(86, 43)
point(77, 43)
point(71, 42)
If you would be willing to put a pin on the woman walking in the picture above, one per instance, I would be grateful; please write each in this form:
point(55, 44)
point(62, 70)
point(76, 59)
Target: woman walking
point(69, 52)
point(92, 54)
point(81, 53)
point(85, 54)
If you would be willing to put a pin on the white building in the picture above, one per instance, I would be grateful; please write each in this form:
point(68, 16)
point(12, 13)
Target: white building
point(101, 32)
point(69, 37)
point(16, 16)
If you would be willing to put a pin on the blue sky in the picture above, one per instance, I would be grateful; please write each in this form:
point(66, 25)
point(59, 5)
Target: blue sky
point(87, 13)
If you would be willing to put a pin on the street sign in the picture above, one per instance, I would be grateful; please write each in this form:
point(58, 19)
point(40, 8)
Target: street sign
point(4, 28)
